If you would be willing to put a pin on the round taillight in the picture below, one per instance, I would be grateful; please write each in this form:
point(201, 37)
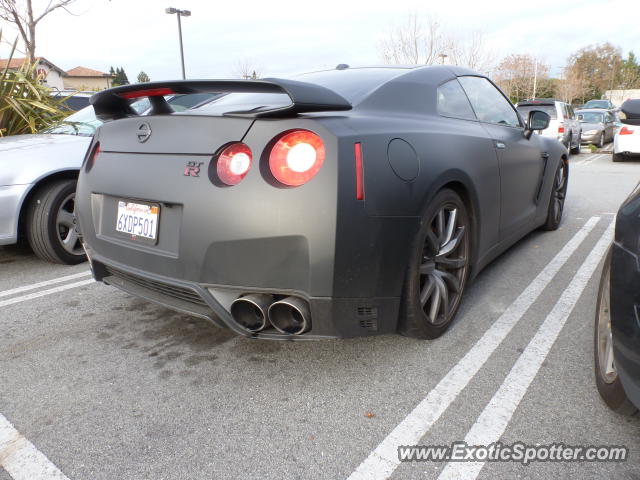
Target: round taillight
point(233, 163)
point(296, 157)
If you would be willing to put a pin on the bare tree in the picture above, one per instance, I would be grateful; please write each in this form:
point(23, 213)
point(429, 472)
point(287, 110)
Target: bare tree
point(518, 75)
point(424, 40)
point(246, 69)
point(21, 14)
point(572, 85)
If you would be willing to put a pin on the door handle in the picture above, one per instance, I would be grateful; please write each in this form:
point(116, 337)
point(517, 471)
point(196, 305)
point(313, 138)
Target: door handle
point(499, 144)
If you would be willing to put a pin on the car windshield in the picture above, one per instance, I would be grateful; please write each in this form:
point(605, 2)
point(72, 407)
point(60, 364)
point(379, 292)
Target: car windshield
point(83, 123)
point(597, 104)
point(353, 84)
point(590, 117)
point(525, 109)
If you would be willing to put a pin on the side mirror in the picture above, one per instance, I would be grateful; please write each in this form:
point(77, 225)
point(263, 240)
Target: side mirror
point(538, 120)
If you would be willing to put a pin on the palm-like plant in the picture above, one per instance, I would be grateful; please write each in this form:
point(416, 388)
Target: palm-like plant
point(26, 105)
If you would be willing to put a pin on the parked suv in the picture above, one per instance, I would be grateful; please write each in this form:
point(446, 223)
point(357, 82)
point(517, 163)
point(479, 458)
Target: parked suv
point(564, 126)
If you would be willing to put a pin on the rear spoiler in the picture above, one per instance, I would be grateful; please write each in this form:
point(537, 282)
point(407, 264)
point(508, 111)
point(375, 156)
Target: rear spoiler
point(305, 97)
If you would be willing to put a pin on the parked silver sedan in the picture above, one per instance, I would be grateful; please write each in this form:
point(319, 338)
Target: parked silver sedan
point(598, 126)
point(38, 175)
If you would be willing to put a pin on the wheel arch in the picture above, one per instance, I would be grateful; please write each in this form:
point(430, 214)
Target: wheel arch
point(68, 174)
point(459, 182)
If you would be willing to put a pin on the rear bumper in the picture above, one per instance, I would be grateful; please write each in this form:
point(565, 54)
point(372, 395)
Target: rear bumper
point(627, 144)
point(331, 317)
point(11, 198)
point(625, 319)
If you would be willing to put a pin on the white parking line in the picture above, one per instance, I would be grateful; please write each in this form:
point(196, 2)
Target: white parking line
point(494, 419)
point(21, 459)
point(381, 463)
point(42, 293)
point(33, 286)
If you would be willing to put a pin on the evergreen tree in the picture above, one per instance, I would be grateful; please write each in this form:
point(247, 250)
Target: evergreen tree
point(123, 77)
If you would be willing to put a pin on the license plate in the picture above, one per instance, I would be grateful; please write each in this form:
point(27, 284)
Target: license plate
point(140, 220)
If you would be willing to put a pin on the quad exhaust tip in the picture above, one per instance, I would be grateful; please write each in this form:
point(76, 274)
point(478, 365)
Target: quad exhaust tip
point(250, 311)
point(290, 315)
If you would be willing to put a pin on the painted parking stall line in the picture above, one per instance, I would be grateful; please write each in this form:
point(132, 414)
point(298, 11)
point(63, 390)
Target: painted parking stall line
point(382, 461)
point(42, 293)
point(21, 459)
point(494, 419)
point(45, 283)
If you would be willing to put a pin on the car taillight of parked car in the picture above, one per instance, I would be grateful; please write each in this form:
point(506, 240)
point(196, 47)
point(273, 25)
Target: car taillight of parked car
point(93, 156)
point(561, 129)
point(296, 157)
point(233, 163)
point(626, 131)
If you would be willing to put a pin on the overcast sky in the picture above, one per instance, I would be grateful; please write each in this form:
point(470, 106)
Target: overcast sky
point(281, 37)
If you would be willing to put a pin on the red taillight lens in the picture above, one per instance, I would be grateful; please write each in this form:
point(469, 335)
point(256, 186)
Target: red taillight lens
point(150, 92)
point(561, 129)
point(296, 157)
point(233, 163)
point(626, 131)
point(93, 156)
point(359, 172)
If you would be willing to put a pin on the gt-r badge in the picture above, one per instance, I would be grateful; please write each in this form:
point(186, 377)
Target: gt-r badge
point(192, 169)
point(144, 132)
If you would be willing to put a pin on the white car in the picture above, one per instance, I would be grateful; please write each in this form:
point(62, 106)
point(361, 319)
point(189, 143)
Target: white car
point(626, 143)
point(38, 175)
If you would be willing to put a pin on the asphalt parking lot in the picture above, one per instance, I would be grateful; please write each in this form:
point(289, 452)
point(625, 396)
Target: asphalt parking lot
point(95, 384)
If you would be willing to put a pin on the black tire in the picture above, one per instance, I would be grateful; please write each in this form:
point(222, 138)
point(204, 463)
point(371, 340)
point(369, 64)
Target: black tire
point(607, 380)
point(601, 141)
point(617, 157)
point(438, 268)
point(49, 223)
point(576, 149)
point(558, 195)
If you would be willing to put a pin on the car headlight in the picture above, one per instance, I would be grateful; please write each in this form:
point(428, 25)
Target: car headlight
point(591, 132)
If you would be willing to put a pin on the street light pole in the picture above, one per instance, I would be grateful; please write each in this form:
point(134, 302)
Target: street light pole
point(180, 13)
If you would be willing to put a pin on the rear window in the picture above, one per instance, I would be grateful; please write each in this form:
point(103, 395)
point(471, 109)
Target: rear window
point(597, 104)
point(549, 109)
point(353, 84)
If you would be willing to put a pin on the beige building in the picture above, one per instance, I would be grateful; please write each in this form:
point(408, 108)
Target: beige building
point(618, 97)
point(82, 78)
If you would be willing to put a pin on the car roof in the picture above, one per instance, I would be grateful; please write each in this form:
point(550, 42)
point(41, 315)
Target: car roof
point(538, 101)
point(594, 110)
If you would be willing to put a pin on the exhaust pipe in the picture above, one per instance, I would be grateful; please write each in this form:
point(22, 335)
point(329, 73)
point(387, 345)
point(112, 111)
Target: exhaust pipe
point(250, 311)
point(290, 315)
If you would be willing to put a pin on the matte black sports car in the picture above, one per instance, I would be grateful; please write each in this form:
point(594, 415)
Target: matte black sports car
point(617, 325)
point(340, 203)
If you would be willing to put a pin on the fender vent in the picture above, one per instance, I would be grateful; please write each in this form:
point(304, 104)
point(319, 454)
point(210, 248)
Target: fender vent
point(368, 318)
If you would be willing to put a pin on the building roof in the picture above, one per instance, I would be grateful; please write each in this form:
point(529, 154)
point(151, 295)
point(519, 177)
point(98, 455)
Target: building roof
point(85, 72)
point(16, 63)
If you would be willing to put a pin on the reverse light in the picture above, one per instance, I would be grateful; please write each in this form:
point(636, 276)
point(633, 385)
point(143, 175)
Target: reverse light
point(296, 157)
point(233, 163)
point(626, 131)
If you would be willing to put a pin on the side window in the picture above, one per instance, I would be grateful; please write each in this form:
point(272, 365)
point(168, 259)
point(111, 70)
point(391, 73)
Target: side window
point(453, 102)
point(488, 103)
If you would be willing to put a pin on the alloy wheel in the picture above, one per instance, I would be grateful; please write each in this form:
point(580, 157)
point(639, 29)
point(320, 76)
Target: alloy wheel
point(66, 226)
point(559, 191)
point(444, 264)
point(604, 345)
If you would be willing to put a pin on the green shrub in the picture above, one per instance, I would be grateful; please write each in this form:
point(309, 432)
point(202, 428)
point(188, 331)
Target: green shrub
point(26, 105)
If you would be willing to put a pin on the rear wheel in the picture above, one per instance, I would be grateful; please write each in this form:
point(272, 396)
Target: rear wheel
point(51, 224)
point(617, 157)
point(607, 379)
point(438, 268)
point(576, 149)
